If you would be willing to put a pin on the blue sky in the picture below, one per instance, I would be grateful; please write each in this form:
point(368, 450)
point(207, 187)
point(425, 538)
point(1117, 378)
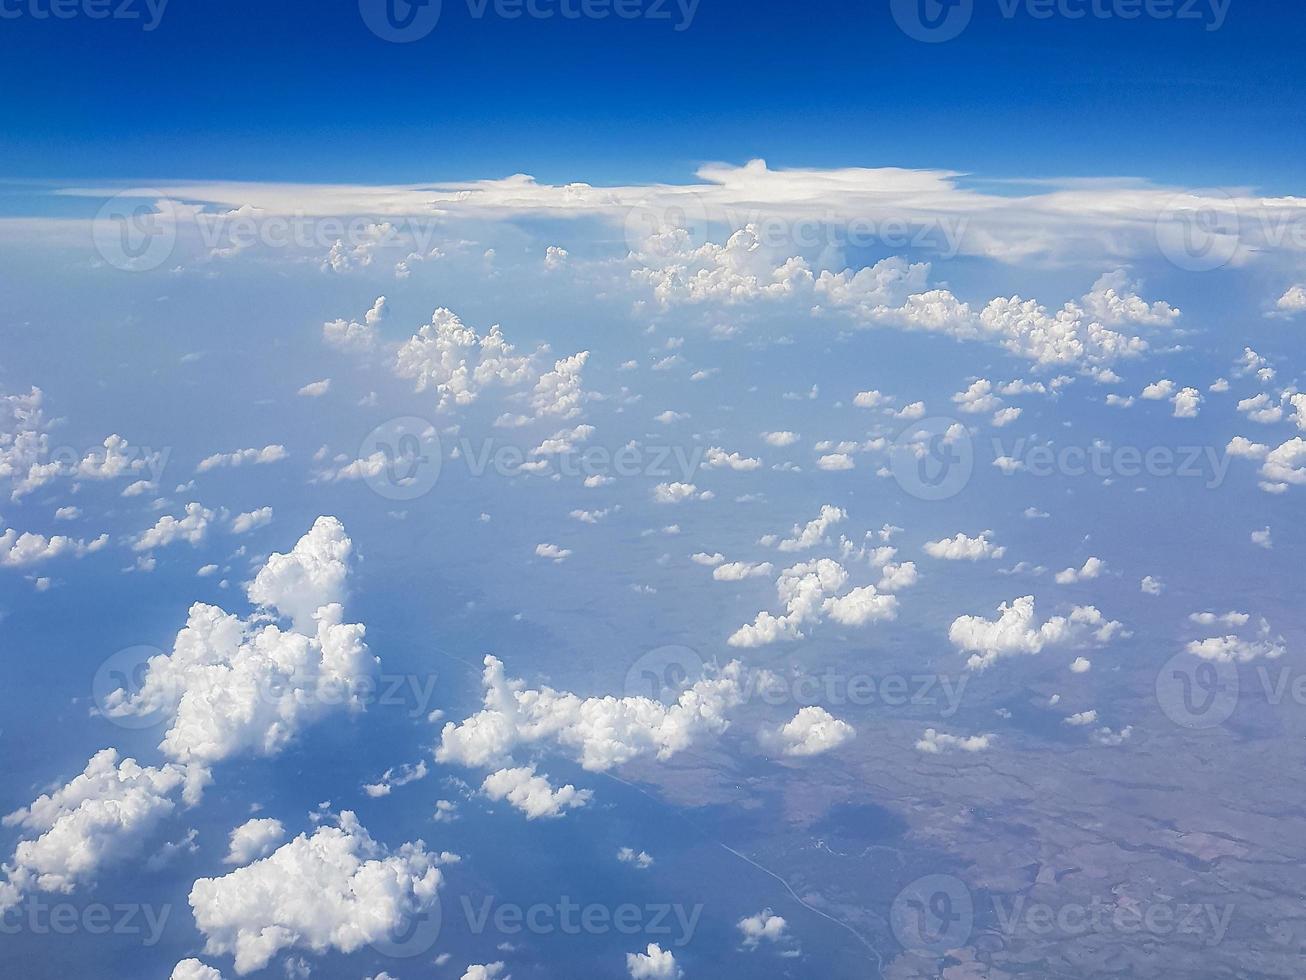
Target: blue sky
point(841, 509)
point(604, 100)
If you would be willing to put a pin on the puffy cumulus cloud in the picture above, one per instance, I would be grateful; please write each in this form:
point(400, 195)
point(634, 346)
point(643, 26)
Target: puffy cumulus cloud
point(1262, 408)
point(742, 270)
point(675, 493)
point(780, 439)
point(1236, 647)
point(812, 731)
point(978, 398)
point(600, 732)
point(737, 571)
point(191, 528)
point(718, 458)
point(655, 963)
point(21, 550)
point(102, 816)
point(558, 393)
point(1186, 403)
point(254, 839)
point(1151, 585)
point(1285, 466)
point(487, 971)
point(640, 859)
point(871, 399)
point(836, 462)
point(765, 926)
point(28, 462)
point(1158, 390)
point(234, 685)
point(1017, 632)
point(457, 363)
point(1091, 569)
point(312, 575)
point(962, 547)
point(533, 795)
point(1293, 301)
point(395, 777)
point(552, 552)
point(335, 890)
point(1081, 718)
point(194, 970)
point(805, 537)
point(808, 592)
point(315, 389)
point(352, 336)
point(25, 443)
point(241, 457)
point(1244, 447)
point(935, 742)
point(249, 521)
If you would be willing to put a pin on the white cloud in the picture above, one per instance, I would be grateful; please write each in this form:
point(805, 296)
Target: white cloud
point(552, 552)
point(640, 859)
point(718, 458)
point(765, 926)
point(600, 732)
point(703, 558)
point(22, 550)
point(103, 816)
point(392, 778)
point(1151, 585)
point(315, 389)
point(244, 523)
point(1186, 403)
point(254, 457)
point(813, 533)
point(1263, 538)
point(653, 964)
point(978, 398)
point(1081, 665)
point(194, 970)
point(336, 890)
point(254, 839)
point(807, 591)
point(737, 571)
point(871, 399)
point(192, 528)
point(964, 548)
point(352, 336)
point(674, 493)
point(457, 363)
point(812, 731)
point(235, 685)
point(1082, 718)
point(835, 462)
point(533, 795)
point(1292, 301)
point(1017, 632)
point(1091, 569)
point(487, 971)
point(780, 439)
point(1159, 390)
point(558, 393)
point(935, 742)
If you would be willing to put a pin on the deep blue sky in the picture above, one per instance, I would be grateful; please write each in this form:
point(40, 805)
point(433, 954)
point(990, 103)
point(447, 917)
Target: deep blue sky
point(263, 89)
